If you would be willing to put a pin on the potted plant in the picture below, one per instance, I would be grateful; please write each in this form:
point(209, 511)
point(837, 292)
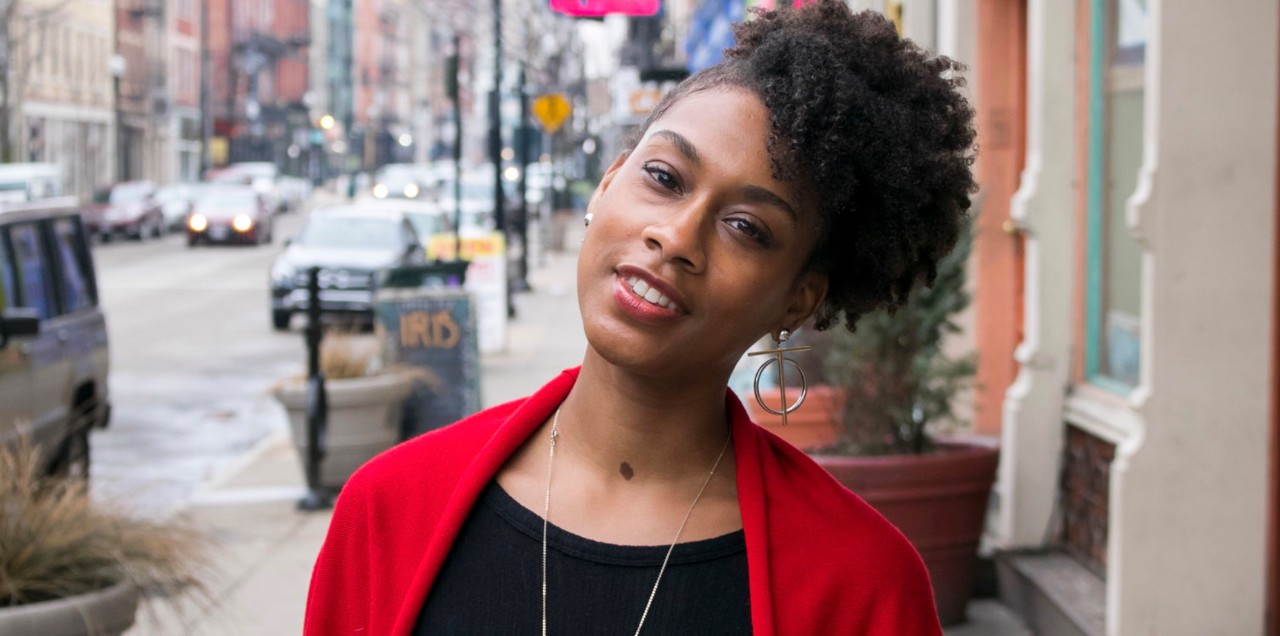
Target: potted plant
point(899, 385)
point(70, 566)
point(365, 401)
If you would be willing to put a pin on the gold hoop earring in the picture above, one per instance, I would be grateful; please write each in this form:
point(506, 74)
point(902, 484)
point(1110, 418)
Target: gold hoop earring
point(777, 353)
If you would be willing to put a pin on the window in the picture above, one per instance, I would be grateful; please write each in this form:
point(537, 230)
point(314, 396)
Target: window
point(73, 264)
point(1113, 285)
point(33, 270)
point(8, 284)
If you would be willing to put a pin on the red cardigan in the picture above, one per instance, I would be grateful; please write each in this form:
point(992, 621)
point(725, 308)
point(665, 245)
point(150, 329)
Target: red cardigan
point(820, 560)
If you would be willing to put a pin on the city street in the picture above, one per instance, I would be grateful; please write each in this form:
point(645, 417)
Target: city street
point(192, 357)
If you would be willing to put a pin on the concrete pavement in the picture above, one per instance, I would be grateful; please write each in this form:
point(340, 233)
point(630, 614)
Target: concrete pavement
point(265, 547)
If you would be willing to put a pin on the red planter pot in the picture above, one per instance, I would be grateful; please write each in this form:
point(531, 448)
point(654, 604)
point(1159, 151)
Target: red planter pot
point(939, 501)
point(811, 426)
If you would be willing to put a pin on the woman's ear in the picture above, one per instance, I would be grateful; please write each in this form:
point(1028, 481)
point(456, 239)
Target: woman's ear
point(608, 177)
point(809, 292)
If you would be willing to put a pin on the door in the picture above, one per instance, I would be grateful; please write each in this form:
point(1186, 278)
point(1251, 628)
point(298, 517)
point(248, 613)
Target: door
point(47, 367)
point(15, 360)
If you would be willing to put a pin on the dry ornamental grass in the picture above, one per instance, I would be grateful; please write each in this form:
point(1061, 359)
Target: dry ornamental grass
point(56, 542)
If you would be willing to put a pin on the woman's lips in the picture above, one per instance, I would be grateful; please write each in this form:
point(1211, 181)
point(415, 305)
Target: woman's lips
point(638, 299)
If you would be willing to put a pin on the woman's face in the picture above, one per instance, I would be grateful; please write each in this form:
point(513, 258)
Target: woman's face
point(695, 250)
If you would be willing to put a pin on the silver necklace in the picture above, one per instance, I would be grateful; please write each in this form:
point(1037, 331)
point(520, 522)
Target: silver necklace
point(546, 510)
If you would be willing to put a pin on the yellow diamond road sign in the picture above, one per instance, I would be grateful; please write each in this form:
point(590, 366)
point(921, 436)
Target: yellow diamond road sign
point(551, 110)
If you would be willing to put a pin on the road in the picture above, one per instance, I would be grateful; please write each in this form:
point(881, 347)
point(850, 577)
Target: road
point(192, 358)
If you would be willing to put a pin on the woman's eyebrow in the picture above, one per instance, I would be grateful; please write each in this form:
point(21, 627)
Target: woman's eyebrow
point(757, 194)
point(682, 144)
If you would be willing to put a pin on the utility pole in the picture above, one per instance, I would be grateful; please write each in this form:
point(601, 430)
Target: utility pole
point(451, 87)
point(521, 282)
point(206, 119)
point(495, 123)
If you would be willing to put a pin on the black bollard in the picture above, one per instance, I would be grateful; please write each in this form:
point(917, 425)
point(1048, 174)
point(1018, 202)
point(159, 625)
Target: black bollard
point(317, 401)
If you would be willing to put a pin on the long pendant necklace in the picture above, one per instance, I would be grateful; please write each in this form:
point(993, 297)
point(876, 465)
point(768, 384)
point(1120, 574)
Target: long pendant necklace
point(546, 509)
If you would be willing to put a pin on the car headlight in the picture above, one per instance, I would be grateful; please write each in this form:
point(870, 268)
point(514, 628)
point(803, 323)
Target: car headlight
point(411, 190)
point(198, 223)
point(380, 191)
point(282, 272)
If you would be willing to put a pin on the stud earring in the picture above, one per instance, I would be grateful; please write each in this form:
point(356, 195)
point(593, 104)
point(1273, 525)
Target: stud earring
point(586, 220)
point(777, 353)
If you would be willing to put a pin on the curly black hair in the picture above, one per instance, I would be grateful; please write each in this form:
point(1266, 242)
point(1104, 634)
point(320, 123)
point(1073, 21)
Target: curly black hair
point(873, 128)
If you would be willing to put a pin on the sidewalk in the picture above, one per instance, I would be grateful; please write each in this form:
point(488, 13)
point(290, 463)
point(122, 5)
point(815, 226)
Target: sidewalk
point(265, 547)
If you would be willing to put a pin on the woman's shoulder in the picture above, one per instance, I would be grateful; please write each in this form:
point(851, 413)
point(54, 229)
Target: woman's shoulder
point(806, 497)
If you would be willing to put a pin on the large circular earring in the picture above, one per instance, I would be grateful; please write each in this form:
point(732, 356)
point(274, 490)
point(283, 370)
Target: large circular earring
point(777, 353)
point(586, 220)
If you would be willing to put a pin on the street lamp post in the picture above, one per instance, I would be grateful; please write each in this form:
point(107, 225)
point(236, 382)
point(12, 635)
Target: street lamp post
point(117, 66)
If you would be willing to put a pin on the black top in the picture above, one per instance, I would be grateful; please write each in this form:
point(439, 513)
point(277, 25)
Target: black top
point(491, 581)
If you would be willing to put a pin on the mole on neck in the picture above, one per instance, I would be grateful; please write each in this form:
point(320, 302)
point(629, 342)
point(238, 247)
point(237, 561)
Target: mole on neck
point(626, 472)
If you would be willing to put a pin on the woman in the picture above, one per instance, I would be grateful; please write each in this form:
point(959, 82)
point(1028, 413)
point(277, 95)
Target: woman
point(821, 171)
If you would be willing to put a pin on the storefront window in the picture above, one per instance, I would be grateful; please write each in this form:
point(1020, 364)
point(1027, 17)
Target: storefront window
point(1113, 287)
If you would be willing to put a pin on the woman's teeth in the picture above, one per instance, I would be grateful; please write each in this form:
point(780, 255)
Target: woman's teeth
point(649, 294)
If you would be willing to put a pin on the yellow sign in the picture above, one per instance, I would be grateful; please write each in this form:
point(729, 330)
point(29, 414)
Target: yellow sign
point(552, 110)
point(441, 246)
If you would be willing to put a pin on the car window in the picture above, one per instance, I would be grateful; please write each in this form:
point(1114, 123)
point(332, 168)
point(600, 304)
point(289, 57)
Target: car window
point(128, 193)
point(73, 264)
point(350, 232)
point(8, 285)
point(426, 224)
point(33, 269)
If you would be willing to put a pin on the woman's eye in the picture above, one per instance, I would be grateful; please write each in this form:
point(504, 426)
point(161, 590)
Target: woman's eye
point(750, 230)
point(661, 176)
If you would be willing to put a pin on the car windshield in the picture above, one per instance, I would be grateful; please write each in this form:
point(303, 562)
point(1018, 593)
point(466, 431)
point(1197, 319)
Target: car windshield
point(426, 224)
point(228, 199)
point(393, 177)
point(470, 190)
point(128, 193)
point(350, 232)
point(166, 195)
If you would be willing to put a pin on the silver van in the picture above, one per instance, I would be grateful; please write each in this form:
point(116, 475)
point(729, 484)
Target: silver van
point(53, 336)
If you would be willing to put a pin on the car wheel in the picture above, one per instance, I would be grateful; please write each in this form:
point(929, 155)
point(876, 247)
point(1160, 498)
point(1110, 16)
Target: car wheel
point(280, 319)
point(73, 460)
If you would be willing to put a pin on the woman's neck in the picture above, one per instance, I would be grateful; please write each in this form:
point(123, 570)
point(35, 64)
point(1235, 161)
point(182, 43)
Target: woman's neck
point(668, 428)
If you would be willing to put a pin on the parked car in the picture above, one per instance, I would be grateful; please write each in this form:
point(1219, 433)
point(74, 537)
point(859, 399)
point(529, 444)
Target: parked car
point(126, 209)
point(53, 335)
point(21, 182)
point(349, 245)
point(229, 214)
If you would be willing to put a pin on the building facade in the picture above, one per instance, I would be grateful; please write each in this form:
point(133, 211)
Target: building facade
point(259, 79)
point(61, 97)
point(1135, 464)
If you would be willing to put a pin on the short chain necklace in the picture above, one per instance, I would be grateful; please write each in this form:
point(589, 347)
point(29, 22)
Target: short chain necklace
point(546, 510)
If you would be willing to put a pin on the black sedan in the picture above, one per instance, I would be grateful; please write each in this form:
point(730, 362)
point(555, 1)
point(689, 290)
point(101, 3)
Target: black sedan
point(349, 246)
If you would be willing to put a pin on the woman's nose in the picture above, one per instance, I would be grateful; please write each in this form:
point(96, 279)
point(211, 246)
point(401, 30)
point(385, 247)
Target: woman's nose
point(678, 237)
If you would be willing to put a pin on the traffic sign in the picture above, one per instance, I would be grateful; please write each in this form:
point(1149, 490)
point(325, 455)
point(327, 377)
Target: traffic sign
point(551, 110)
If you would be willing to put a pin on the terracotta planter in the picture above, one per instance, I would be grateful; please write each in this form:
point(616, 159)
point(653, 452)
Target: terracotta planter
point(364, 420)
point(106, 612)
point(811, 426)
point(939, 501)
